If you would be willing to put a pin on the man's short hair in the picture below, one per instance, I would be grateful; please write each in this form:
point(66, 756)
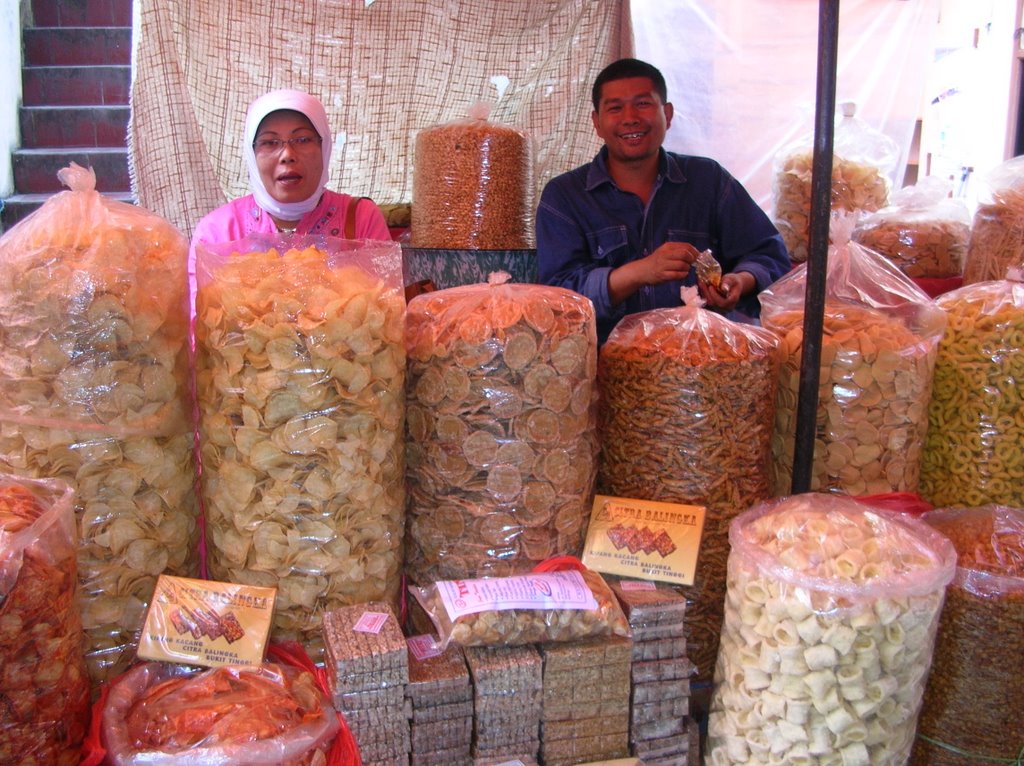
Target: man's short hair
point(625, 68)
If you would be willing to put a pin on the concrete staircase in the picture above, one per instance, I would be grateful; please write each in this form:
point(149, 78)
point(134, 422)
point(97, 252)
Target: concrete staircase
point(76, 76)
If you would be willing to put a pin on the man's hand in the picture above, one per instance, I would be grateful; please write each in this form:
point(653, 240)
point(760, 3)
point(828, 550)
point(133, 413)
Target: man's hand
point(670, 261)
point(729, 291)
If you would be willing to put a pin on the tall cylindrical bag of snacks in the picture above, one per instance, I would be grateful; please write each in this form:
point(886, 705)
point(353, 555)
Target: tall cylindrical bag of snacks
point(830, 621)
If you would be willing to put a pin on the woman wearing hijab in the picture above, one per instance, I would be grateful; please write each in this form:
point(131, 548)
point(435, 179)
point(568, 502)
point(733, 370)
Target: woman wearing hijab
point(287, 150)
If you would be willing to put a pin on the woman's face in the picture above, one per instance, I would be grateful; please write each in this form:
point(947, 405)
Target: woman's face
point(288, 155)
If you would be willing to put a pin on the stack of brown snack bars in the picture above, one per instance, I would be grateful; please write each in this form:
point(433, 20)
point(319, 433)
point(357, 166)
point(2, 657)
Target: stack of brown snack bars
point(586, 700)
point(441, 700)
point(367, 666)
point(660, 728)
point(507, 696)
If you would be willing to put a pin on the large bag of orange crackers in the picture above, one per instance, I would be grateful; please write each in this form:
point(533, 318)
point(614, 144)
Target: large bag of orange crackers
point(93, 391)
point(44, 691)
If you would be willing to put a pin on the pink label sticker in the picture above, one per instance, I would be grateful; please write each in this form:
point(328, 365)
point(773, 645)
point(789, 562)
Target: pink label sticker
point(423, 647)
point(370, 622)
point(637, 585)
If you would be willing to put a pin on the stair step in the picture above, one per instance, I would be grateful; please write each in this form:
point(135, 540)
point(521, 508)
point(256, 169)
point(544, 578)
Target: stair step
point(19, 206)
point(76, 46)
point(82, 13)
point(35, 170)
point(75, 85)
point(58, 126)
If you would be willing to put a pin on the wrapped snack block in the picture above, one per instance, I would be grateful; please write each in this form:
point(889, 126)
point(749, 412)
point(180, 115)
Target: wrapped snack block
point(94, 391)
point(687, 416)
point(441, 697)
point(300, 380)
point(44, 687)
point(507, 688)
point(846, 601)
point(501, 422)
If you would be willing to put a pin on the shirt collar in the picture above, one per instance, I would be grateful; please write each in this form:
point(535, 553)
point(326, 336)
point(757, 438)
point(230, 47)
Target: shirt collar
point(668, 169)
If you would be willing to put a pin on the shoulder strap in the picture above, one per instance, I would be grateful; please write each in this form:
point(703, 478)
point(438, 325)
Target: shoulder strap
point(350, 216)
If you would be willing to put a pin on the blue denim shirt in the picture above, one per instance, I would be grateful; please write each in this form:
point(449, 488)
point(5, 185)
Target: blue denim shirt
point(587, 226)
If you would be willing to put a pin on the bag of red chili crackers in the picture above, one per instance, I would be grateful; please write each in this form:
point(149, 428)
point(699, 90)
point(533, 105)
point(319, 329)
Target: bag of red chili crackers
point(44, 689)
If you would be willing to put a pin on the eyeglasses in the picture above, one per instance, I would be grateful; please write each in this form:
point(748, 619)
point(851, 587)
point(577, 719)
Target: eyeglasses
point(271, 146)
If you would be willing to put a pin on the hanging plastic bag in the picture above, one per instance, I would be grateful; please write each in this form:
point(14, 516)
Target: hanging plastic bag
point(972, 454)
point(300, 376)
point(44, 685)
point(924, 232)
point(94, 391)
point(997, 233)
point(878, 349)
point(863, 163)
point(472, 185)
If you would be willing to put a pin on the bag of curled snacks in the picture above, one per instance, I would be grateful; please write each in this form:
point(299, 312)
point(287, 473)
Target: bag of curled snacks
point(472, 185)
point(997, 232)
point(972, 453)
point(687, 415)
point(924, 232)
point(300, 377)
point(830, 624)
point(160, 714)
point(863, 162)
point(94, 391)
point(879, 342)
point(501, 420)
point(973, 711)
point(44, 688)
point(522, 609)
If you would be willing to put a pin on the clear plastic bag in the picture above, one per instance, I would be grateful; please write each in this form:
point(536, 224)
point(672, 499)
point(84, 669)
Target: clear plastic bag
point(523, 609)
point(972, 711)
point(924, 232)
point(45, 688)
point(501, 422)
point(878, 349)
point(687, 415)
point(473, 185)
point(997, 232)
point(830, 623)
point(159, 714)
point(300, 373)
point(94, 391)
point(863, 162)
point(972, 453)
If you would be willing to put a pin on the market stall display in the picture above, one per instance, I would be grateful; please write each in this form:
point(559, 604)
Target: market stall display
point(972, 454)
point(300, 382)
point(863, 162)
point(472, 185)
point(830, 622)
point(44, 686)
point(878, 351)
point(94, 391)
point(501, 436)
point(924, 232)
point(972, 709)
point(997, 231)
point(687, 416)
point(162, 714)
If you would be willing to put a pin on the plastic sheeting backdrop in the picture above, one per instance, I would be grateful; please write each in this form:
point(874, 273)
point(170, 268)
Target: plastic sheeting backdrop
point(384, 69)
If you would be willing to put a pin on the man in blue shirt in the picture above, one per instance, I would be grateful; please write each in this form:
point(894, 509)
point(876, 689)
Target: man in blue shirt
point(624, 230)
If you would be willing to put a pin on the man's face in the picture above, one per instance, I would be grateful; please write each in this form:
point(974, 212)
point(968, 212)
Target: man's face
point(631, 119)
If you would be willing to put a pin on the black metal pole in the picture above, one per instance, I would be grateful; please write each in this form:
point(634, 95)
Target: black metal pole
point(817, 253)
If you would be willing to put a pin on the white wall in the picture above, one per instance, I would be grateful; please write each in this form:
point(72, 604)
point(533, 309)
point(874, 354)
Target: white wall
point(10, 82)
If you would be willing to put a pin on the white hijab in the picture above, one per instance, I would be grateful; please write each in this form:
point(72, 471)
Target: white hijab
point(297, 101)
